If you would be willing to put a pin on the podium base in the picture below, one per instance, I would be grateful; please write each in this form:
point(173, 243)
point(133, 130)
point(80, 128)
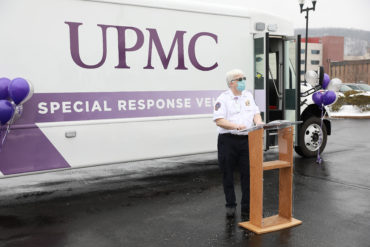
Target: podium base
point(271, 224)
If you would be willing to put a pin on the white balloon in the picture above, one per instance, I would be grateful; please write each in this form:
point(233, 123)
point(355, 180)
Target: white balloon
point(312, 78)
point(334, 84)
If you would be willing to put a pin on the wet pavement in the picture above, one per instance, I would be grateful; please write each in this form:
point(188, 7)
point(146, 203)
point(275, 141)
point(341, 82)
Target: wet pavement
point(186, 207)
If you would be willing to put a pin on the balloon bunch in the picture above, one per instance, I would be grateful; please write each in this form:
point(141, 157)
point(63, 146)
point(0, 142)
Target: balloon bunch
point(322, 99)
point(13, 94)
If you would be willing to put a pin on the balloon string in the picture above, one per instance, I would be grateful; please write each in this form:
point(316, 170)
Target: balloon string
point(319, 160)
point(6, 132)
point(1, 144)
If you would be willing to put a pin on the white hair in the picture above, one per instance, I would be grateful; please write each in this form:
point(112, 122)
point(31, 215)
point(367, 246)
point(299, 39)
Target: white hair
point(231, 74)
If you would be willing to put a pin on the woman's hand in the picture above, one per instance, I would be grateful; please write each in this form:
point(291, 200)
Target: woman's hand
point(240, 126)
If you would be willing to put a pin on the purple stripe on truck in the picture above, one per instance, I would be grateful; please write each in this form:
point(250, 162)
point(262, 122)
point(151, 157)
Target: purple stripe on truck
point(28, 150)
point(57, 107)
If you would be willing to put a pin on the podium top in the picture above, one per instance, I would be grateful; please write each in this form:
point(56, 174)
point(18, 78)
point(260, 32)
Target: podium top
point(277, 124)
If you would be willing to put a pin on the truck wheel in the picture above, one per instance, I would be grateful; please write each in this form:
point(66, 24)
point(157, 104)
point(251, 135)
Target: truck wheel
point(309, 134)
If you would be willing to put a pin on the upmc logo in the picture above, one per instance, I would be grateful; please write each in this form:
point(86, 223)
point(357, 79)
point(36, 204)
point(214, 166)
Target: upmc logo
point(154, 43)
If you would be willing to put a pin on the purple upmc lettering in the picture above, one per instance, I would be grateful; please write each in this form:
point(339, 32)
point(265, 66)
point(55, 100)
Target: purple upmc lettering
point(179, 39)
point(191, 51)
point(74, 45)
point(153, 39)
point(122, 49)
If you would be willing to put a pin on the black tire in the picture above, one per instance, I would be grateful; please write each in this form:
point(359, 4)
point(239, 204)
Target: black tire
point(309, 137)
point(298, 150)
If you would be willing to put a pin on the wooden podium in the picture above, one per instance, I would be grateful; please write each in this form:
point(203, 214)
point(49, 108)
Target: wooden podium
point(284, 219)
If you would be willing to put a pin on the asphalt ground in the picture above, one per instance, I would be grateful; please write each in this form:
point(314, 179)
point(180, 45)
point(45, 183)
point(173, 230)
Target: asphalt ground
point(185, 207)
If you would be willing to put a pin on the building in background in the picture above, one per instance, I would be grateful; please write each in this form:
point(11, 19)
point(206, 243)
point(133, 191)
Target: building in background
point(345, 52)
point(314, 55)
point(351, 71)
point(333, 50)
point(322, 51)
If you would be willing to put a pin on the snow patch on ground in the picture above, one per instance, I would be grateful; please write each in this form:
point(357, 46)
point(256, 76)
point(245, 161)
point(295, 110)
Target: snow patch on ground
point(348, 111)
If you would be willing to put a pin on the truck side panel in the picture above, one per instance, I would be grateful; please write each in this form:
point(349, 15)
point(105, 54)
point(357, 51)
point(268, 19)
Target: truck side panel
point(139, 84)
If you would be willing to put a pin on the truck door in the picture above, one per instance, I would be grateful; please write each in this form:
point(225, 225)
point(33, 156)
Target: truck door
point(276, 86)
point(260, 75)
point(275, 101)
point(268, 88)
point(292, 74)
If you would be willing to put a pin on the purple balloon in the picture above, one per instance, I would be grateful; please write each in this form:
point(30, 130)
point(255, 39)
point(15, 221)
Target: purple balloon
point(6, 111)
point(19, 90)
point(325, 81)
point(4, 84)
point(317, 98)
point(329, 97)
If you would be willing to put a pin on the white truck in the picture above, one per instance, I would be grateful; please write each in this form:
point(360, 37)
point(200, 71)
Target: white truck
point(125, 80)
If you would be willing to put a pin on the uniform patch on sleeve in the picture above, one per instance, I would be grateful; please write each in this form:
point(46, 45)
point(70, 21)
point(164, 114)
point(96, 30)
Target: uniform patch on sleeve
point(217, 106)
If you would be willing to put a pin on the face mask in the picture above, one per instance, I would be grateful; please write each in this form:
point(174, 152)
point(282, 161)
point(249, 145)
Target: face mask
point(241, 85)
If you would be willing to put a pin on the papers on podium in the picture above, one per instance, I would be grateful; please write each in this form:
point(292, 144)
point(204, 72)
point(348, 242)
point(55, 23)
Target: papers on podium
point(276, 124)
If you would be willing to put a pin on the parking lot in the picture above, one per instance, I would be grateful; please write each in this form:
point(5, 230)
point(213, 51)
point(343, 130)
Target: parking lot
point(185, 207)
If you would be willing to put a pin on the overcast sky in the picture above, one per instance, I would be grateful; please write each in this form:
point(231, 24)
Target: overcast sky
point(328, 13)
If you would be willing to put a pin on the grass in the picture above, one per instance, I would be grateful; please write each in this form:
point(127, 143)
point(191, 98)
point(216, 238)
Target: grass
point(362, 102)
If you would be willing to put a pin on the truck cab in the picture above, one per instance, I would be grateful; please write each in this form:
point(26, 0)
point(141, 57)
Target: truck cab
point(280, 94)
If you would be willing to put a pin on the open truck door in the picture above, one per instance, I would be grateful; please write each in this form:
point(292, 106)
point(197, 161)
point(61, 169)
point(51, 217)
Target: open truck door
point(292, 75)
point(277, 83)
point(260, 44)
